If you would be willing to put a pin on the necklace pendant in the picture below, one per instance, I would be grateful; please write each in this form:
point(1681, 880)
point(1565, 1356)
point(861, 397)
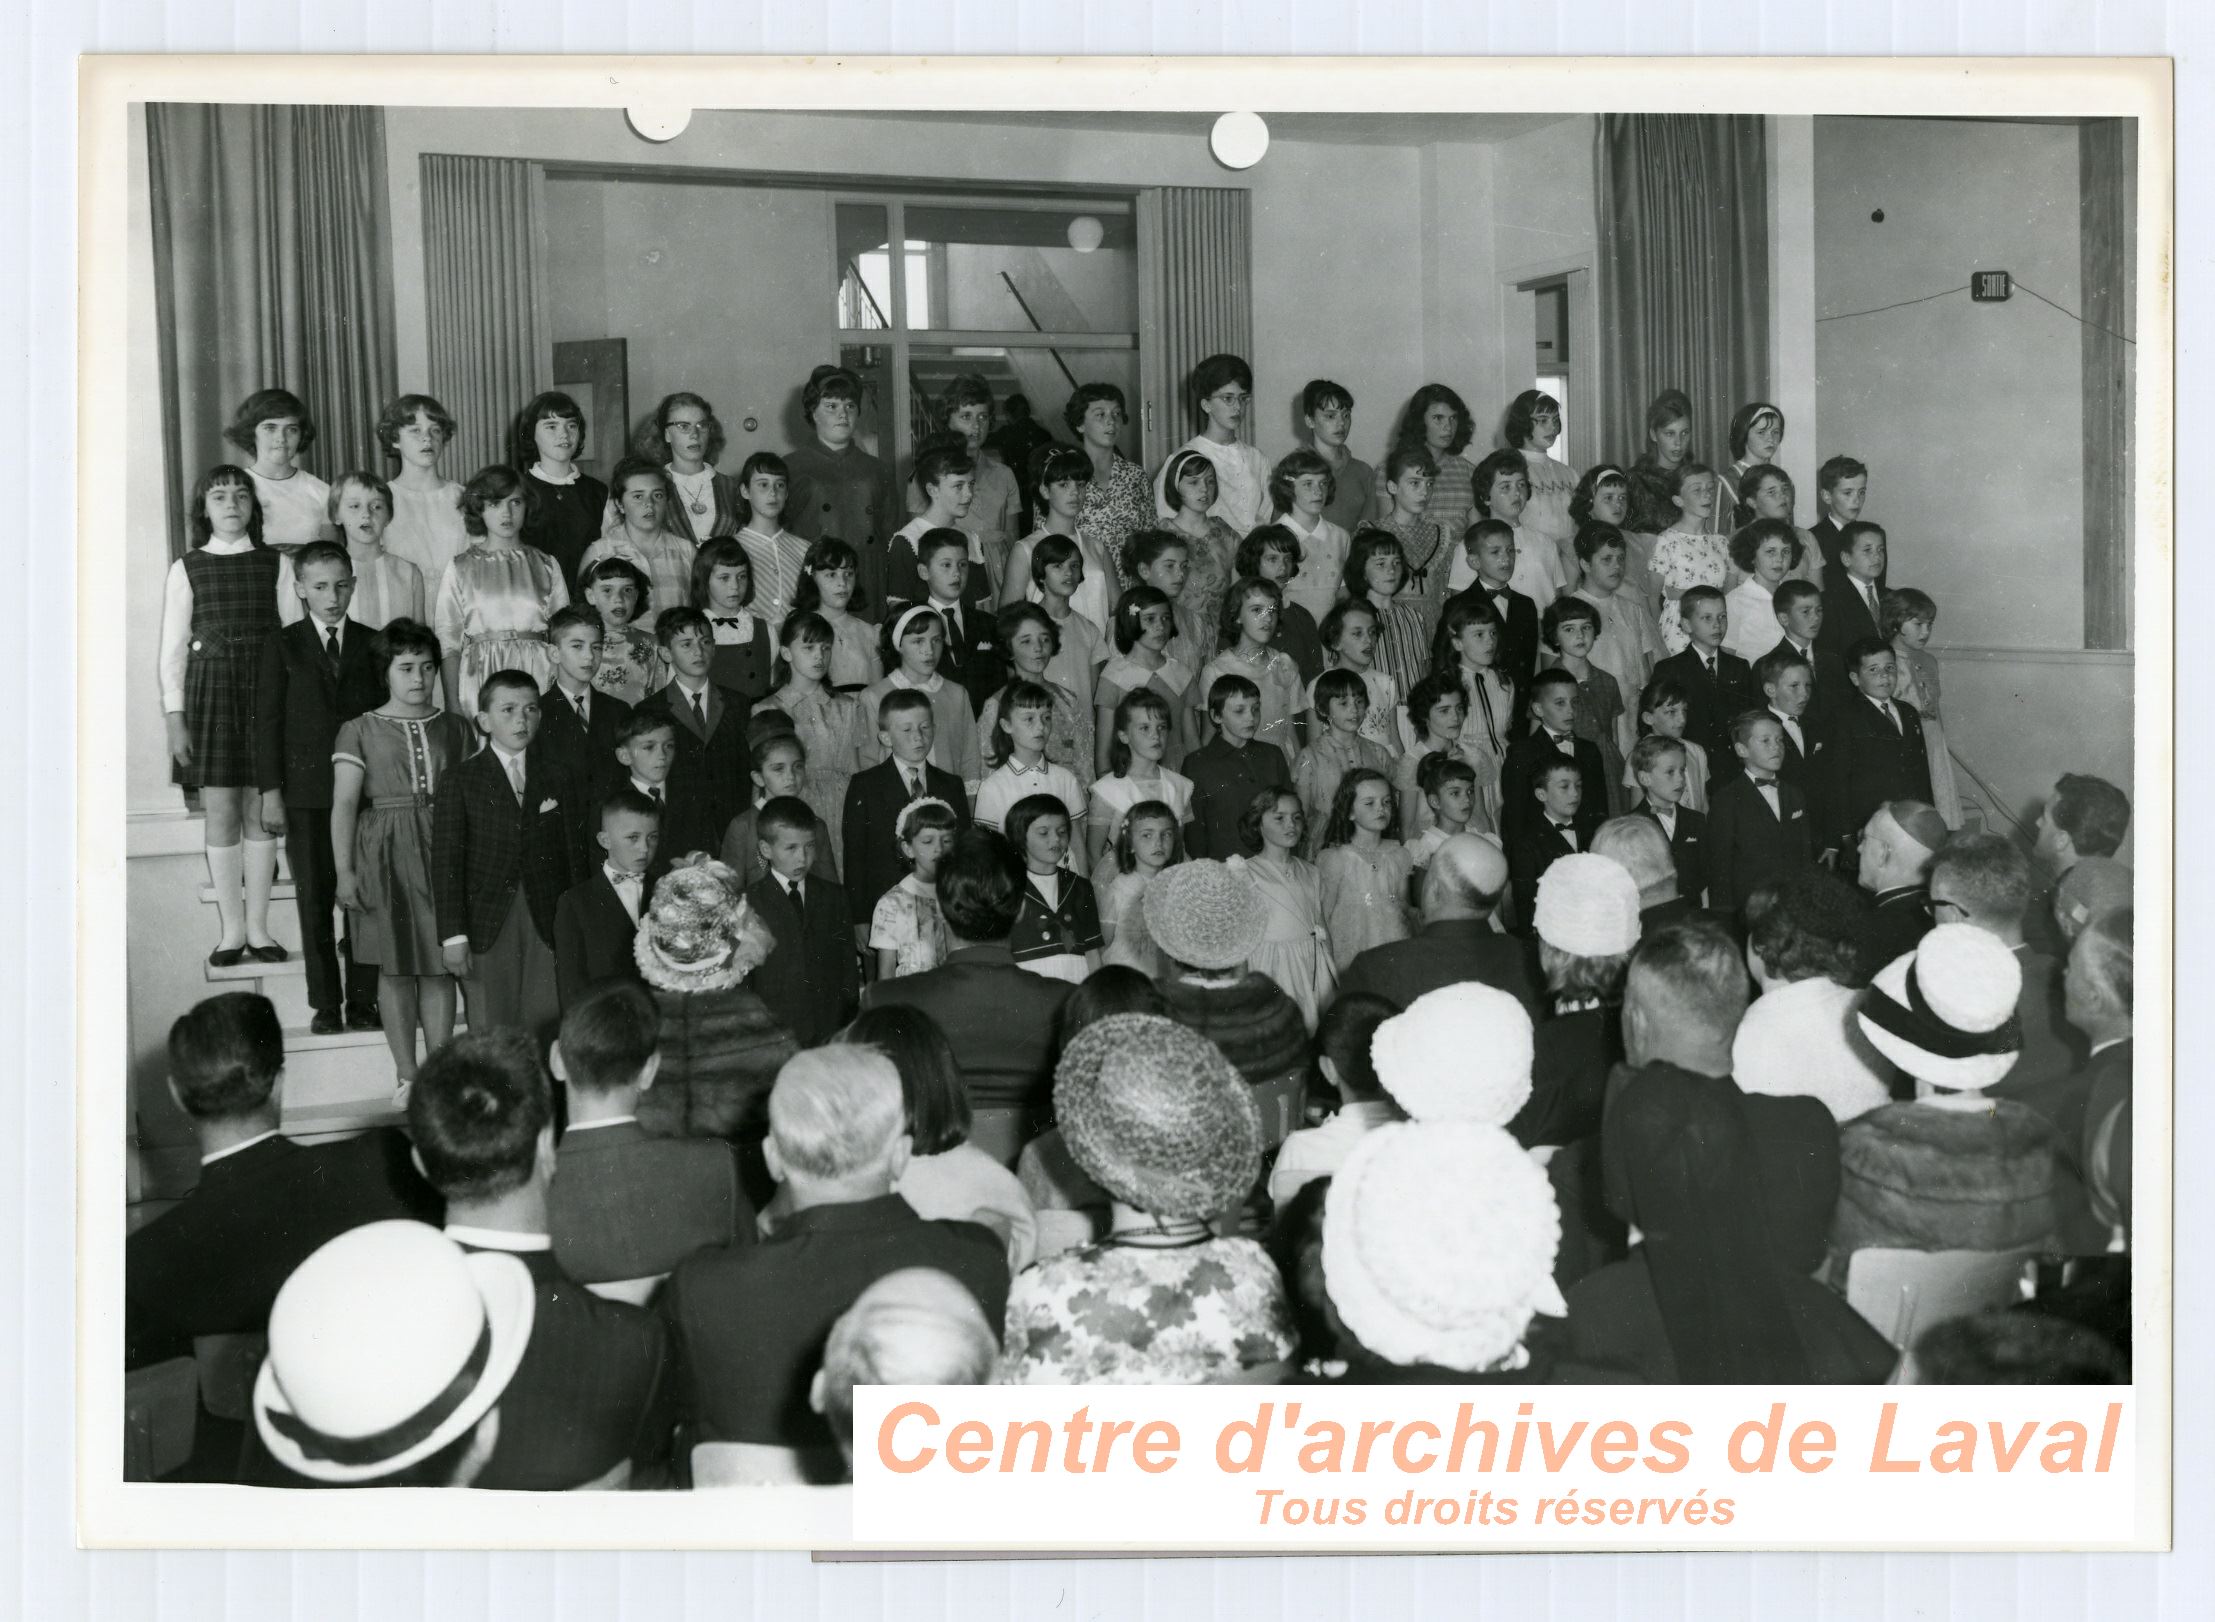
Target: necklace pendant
point(699, 507)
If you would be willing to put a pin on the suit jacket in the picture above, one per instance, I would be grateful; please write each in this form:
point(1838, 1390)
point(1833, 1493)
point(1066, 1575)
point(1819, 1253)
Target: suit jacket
point(1531, 849)
point(625, 1205)
point(486, 845)
point(976, 659)
point(593, 936)
point(586, 753)
point(1002, 1021)
point(1871, 763)
point(810, 980)
point(1714, 700)
point(1748, 845)
point(712, 779)
point(1804, 768)
point(300, 703)
point(1832, 540)
point(592, 1391)
point(214, 1263)
point(871, 862)
point(1224, 783)
point(1846, 616)
point(2052, 1047)
point(1518, 655)
point(1445, 952)
point(1687, 847)
point(1893, 925)
point(1519, 808)
point(728, 518)
point(1830, 686)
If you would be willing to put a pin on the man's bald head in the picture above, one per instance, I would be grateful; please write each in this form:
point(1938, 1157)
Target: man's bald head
point(1898, 844)
point(1643, 849)
point(1464, 879)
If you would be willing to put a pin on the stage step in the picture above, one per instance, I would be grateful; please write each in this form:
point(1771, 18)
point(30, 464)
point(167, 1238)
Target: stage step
point(280, 891)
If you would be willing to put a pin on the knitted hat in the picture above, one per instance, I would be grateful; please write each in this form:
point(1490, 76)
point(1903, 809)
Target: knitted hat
point(1588, 906)
point(1919, 822)
point(1438, 1244)
point(2095, 885)
point(1460, 1053)
point(1155, 1115)
point(1206, 914)
point(699, 934)
point(1945, 1012)
point(385, 1345)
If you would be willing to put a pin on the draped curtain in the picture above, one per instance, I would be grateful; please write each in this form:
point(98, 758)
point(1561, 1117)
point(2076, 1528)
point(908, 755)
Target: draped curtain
point(1683, 272)
point(272, 269)
point(2107, 161)
point(1196, 299)
point(490, 350)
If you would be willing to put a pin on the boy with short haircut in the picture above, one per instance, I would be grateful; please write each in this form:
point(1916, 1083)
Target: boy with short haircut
point(1854, 590)
point(1717, 685)
point(1489, 546)
point(1758, 827)
point(1658, 763)
point(1028, 710)
point(1555, 827)
point(1875, 748)
point(646, 750)
point(995, 500)
point(973, 654)
point(1057, 927)
point(1552, 705)
point(386, 586)
point(316, 674)
point(578, 724)
point(946, 474)
point(876, 795)
point(810, 980)
point(1328, 410)
point(1787, 683)
point(1630, 643)
point(1842, 488)
point(1342, 1044)
point(780, 769)
point(1448, 785)
point(1502, 484)
point(596, 921)
point(503, 849)
point(1229, 770)
point(838, 490)
point(712, 778)
point(1799, 608)
point(626, 1208)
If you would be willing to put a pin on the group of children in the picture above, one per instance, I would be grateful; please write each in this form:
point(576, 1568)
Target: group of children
point(1313, 668)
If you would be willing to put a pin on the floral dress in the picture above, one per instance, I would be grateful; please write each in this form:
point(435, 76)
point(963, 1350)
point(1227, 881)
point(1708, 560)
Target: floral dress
point(630, 666)
point(1207, 577)
point(1683, 560)
point(1295, 949)
point(1178, 1307)
point(838, 740)
point(907, 922)
point(1115, 508)
point(1364, 897)
point(492, 610)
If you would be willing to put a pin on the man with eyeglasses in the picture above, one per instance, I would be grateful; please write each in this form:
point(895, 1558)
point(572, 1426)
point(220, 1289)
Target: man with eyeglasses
point(1896, 850)
point(1985, 880)
point(1328, 409)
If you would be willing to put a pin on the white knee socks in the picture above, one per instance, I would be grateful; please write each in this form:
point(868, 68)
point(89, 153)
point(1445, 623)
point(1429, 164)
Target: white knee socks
point(261, 878)
point(225, 864)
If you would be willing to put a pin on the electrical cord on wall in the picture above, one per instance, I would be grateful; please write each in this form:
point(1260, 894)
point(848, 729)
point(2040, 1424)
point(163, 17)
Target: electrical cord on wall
point(2019, 283)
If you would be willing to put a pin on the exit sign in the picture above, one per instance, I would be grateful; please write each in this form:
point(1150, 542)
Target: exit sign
point(1990, 286)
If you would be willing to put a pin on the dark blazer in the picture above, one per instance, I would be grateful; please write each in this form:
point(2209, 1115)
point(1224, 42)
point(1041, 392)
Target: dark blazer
point(213, 1264)
point(1749, 845)
point(1893, 925)
point(1518, 655)
point(1869, 764)
point(300, 703)
point(1713, 701)
point(1687, 847)
point(810, 980)
point(624, 1205)
point(485, 845)
point(593, 936)
point(870, 863)
point(2052, 1047)
point(1224, 782)
point(977, 659)
point(586, 753)
point(1802, 767)
point(1526, 753)
point(728, 518)
point(1445, 952)
point(1846, 616)
point(1832, 541)
point(592, 1391)
point(1830, 685)
point(1571, 1057)
point(1001, 1020)
point(1531, 849)
point(712, 779)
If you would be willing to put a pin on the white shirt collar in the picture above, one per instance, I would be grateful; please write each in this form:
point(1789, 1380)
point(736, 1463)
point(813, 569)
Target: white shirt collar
point(498, 1238)
point(264, 1137)
point(587, 1126)
point(229, 549)
point(506, 759)
point(650, 789)
point(700, 692)
point(900, 678)
point(540, 471)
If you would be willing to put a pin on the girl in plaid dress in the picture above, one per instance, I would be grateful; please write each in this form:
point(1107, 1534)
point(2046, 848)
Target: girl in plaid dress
point(218, 608)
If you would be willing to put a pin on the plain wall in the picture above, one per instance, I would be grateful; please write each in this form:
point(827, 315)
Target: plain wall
point(1970, 416)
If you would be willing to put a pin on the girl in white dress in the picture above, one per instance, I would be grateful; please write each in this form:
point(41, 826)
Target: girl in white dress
point(1063, 481)
point(274, 429)
point(1768, 492)
point(1534, 427)
point(1138, 739)
point(1764, 549)
point(1688, 554)
point(497, 596)
point(427, 529)
point(1222, 387)
point(907, 931)
point(1295, 949)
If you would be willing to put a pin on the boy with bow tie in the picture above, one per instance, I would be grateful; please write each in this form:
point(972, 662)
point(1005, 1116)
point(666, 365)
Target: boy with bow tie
point(596, 921)
point(1758, 826)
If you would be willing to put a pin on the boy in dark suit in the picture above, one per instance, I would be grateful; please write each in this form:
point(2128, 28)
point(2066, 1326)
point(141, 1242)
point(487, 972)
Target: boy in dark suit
point(316, 675)
point(1658, 763)
point(579, 725)
point(1230, 769)
point(503, 849)
point(1786, 680)
point(712, 778)
point(1556, 830)
point(1853, 591)
point(1717, 685)
point(973, 656)
point(1757, 824)
point(874, 798)
point(1553, 706)
point(809, 980)
point(1490, 546)
point(780, 768)
point(1841, 488)
point(1799, 606)
point(1875, 748)
point(596, 923)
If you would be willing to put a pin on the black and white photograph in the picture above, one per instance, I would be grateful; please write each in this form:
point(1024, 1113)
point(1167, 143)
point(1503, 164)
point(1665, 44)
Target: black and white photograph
point(771, 751)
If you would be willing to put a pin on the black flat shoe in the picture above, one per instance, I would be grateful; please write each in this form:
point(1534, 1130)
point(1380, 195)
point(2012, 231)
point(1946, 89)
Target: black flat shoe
point(363, 1019)
point(272, 953)
point(226, 957)
point(326, 1024)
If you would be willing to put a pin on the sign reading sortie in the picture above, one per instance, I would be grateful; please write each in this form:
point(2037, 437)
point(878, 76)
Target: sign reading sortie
point(1457, 1468)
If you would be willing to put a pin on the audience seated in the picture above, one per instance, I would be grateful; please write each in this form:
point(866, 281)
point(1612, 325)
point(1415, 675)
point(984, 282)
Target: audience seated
point(917, 1326)
point(1639, 845)
point(1587, 918)
point(1800, 1038)
point(1462, 890)
point(2083, 820)
point(2090, 1108)
point(1073, 1209)
point(2095, 885)
point(749, 1322)
point(1209, 919)
point(1342, 1055)
point(1893, 864)
point(1954, 1169)
point(263, 1204)
point(1985, 880)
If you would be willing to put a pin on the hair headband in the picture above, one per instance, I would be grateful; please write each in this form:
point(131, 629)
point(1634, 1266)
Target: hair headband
point(907, 618)
point(1914, 1023)
point(900, 822)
